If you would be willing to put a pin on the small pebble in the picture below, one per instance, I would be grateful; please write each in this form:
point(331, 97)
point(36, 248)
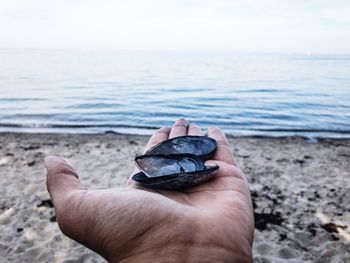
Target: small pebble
point(4, 161)
point(29, 235)
point(5, 216)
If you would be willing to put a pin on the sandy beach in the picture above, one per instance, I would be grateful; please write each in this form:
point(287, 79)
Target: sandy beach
point(300, 190)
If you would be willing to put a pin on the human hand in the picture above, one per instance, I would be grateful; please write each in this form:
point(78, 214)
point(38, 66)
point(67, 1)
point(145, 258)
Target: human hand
point(212, 222)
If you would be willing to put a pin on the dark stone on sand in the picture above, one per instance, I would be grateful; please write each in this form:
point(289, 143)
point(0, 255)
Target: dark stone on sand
point(133, 142)
point(254, 196)
point(316, 194)
point(331, 227)
point(31, 147)
point(334, 237)
point(46, 203)
point(262, 219)
point(30, 163)
point(53, 219)
point(38, 155)
point(266, 188)
point(19, 230)
point(312, 229)
point(283, 236)
point(299, 161)
point(345, 155)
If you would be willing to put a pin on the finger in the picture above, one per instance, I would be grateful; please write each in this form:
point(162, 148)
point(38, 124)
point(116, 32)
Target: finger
point(226, 170)
point(179, 128)
point(66, 193)
point(228, 177)
point(159, 136)
point(61, 180)
point(194, 129)
point(223, 151)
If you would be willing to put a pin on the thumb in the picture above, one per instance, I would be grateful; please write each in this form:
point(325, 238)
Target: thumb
point(63, 185)
point(61, 180)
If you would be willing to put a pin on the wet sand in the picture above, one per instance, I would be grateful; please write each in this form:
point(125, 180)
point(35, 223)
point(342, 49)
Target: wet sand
point(300, 190)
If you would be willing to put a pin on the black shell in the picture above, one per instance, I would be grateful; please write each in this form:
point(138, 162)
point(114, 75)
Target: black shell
point(177, 163)
point(201, 146)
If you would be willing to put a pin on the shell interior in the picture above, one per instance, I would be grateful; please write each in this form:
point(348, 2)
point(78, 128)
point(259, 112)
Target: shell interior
point(164, 165)
point(177, 163)
point(177, 181)
point(201, 146)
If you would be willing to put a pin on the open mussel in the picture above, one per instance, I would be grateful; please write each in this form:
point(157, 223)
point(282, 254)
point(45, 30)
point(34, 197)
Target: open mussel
point(177, 163)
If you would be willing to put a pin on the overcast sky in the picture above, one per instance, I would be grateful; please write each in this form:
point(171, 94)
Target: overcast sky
point(315, 26)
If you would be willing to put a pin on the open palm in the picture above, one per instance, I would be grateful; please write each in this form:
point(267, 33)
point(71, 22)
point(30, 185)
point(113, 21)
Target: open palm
point(212, 222)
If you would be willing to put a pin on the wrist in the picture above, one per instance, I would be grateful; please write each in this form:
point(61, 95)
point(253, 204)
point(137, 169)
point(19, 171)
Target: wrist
point(186, 253)
point(190, 242)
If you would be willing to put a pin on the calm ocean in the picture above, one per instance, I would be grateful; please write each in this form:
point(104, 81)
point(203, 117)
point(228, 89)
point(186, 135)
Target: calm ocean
point(136, 92)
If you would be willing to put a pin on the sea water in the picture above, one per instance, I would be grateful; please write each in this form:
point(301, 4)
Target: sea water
point(137, 92)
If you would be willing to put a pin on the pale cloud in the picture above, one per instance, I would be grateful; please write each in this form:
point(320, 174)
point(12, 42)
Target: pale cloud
point(248, 26)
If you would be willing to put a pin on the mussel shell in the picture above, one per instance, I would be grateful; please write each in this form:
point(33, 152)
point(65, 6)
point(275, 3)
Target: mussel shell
point(201, 146)
point(177, 181)
point(177, 163)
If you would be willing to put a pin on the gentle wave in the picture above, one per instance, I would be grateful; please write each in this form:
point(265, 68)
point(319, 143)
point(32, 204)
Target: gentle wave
point(244, 94)
point(71, 126)
point(145, 130)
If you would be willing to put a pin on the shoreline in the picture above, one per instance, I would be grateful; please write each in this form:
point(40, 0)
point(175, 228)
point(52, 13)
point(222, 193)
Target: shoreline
point(299, 191)
point(229, 136)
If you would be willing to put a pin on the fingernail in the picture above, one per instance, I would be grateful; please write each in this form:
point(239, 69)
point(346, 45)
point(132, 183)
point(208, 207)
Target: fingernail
point(214, 128)
point(164, 128)
point(51, 160)
point(211, 162)
point(182, 120)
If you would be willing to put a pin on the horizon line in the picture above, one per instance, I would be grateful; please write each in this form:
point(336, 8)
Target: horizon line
point(307, 53)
